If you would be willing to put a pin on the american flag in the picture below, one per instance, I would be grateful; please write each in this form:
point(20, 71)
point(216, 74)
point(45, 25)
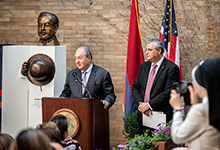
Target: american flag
point(169, 35)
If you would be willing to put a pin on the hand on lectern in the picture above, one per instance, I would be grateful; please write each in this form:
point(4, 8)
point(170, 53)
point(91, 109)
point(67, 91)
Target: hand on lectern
point(105, 103)
point(24, 68)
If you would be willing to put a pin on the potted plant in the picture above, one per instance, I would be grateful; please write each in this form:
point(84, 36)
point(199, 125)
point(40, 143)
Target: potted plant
point(135, 141)
point(130, 125)
point(162, 136)
point(138, 142)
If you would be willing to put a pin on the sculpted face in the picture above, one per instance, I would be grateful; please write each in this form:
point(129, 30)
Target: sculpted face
point(46, 27)
point(82, 61)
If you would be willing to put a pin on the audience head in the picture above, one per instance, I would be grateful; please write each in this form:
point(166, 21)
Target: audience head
point(206, 76)
point(83, 58)
point(5, 141)
point(31, 139)
point(51, 130)
point(154, 50)
point(62, 124)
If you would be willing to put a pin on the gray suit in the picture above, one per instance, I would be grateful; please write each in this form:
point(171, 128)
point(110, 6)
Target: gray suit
point(99, 84)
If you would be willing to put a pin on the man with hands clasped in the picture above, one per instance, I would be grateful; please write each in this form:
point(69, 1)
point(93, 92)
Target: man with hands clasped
point(152, 86)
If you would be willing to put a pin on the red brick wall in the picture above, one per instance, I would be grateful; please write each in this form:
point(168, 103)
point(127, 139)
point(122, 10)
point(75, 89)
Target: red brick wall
point(103, 26)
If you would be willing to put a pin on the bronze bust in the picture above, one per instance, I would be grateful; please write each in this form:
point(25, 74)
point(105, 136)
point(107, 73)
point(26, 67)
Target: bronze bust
point(48, 25)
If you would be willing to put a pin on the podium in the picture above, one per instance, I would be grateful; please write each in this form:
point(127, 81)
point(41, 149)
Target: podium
point(94, 120)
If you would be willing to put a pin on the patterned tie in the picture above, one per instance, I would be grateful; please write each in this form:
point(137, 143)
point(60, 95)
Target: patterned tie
point(150, 83)
point(84, 81)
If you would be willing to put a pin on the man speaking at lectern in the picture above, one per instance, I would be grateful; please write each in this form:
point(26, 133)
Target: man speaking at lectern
point(89, 80)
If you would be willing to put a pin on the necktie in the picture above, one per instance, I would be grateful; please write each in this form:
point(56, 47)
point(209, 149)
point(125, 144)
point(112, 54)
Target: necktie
point(84, 81)
point(150, 83)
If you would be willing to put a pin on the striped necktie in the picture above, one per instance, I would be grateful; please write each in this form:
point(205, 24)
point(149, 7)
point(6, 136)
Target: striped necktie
point(84, 81)
point(150, 83)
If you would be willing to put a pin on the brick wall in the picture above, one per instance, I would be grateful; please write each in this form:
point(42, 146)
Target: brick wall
point(103, 26)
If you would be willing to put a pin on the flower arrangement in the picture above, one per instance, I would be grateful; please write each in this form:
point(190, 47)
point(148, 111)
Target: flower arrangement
point(142, 142)
point(139, 142)
point(163, 133)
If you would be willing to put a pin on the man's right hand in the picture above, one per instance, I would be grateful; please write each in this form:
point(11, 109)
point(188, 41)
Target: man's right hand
point(148, 112)
point(105, 103)
point(24, 68)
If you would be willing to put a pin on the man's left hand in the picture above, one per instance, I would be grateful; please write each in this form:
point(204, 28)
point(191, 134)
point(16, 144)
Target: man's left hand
point(143, 107)
point(105, 103)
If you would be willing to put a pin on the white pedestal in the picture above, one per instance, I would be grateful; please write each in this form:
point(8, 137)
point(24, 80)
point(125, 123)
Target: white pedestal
point(21, 100)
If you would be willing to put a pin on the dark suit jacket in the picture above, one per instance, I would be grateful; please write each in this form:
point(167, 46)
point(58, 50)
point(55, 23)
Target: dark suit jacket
point(162, 85)
point(99, 84)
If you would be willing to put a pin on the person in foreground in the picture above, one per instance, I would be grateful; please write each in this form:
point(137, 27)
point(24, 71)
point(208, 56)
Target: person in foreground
point(51, 130)
point(201, 128)
point(97, 80)
point(67, 142)
point(5, 141)
point(152, 86)
point(30, 139)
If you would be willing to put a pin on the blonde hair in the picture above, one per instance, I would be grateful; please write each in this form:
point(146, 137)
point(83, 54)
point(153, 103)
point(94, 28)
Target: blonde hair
point(5, 141)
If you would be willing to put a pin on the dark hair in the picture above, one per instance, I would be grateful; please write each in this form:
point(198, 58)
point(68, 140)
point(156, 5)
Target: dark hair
point(206, 75)
point(5, 141)
point(51, 130)
point(61, 122)
point(157, 44)
point(31, 139)
point(55, 18)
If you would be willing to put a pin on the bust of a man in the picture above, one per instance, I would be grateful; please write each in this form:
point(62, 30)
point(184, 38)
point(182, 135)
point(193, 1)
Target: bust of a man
point(48, 25)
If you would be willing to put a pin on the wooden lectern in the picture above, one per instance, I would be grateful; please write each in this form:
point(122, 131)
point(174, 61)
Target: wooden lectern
point(94, 120)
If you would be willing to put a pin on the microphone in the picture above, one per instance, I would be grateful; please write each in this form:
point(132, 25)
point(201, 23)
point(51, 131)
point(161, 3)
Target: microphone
point(74, 75)
point(77, 79)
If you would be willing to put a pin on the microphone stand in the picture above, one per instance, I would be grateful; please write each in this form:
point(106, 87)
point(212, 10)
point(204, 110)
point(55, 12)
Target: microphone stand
point(77, 80)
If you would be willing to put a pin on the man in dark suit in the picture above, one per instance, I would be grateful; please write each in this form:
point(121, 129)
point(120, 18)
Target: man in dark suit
point(97, 80)
point(152, 86)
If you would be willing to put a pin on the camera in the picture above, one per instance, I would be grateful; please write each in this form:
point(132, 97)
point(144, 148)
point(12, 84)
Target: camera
point(182, 88)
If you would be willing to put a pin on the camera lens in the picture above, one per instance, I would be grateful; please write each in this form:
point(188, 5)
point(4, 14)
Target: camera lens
point(182, 88)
